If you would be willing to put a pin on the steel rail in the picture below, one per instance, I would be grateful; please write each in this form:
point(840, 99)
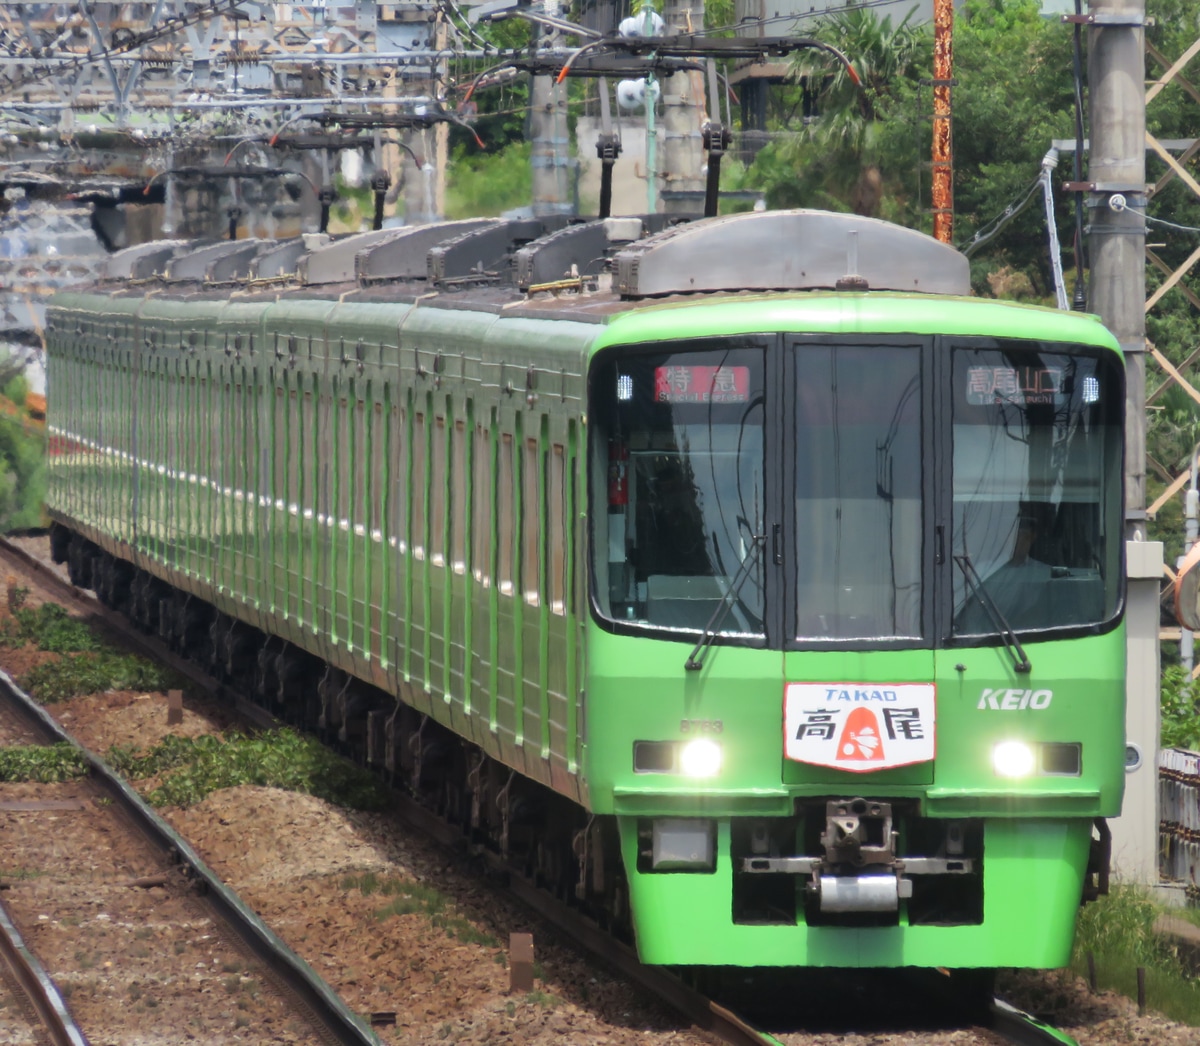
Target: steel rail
point(1023, 1029)
point(37, 987)
point(692, 1005)
point(331, 1017)
point(1008, 1022)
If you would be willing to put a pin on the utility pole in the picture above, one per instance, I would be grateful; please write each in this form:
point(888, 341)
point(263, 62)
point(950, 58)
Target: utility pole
point(552, 189)
point(683, 109)
point(943, 128)
point(1117, 291)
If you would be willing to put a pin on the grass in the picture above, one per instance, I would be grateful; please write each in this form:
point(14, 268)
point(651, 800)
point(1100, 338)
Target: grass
point(1118, 931)
point(45, 764)
point(409, 897)
point(49, 627)
point(191, 768)
point(92, 673)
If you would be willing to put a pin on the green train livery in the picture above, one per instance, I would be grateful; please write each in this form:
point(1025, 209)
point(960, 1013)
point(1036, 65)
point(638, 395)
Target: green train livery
point(746, 581)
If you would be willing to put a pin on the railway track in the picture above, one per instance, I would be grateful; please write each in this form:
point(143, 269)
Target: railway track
point(182, 876)
point(42, 1012)
point(338, 1025)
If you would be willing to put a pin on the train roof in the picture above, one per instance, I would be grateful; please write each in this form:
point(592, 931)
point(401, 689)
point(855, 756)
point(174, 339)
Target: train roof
point(589, 269)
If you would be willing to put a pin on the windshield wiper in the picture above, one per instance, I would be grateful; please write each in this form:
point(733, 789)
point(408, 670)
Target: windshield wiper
point(1016, 651)
point(695, 659)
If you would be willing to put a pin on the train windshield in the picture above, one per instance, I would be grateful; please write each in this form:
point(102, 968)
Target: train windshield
point(858, 568)
point(1036, 473)
point(830, 493)
point(681, 457)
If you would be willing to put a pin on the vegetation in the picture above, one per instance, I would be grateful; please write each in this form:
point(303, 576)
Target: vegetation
point(409, 897)
point(49, 627)
point(1117, 931)
point(45, 764)
point(188, 769)
point(94, 673)
point(22, 453)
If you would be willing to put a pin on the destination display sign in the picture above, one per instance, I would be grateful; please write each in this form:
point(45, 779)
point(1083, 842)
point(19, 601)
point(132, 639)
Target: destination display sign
point(686, 384)
point(986, 385)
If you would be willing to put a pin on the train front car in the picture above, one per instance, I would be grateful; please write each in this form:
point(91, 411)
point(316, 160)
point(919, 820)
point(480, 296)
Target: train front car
point(855, 660)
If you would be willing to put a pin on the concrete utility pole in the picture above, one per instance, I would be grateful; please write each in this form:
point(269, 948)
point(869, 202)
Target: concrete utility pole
point(552, 189)
point(1117, 244)
point(683, 113)
point(1117, 213)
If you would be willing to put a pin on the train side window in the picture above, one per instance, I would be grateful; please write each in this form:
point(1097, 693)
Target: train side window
point(419, 493)
point(505, 505)
point(379, 469)
point(458, 498)
point(360, 506)
point(531, 517)
point(481, 506)
point(400, 489)
point(437, 494)
point(556, 497)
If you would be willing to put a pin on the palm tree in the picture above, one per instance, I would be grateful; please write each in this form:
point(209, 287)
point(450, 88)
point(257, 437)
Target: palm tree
point(849, 114)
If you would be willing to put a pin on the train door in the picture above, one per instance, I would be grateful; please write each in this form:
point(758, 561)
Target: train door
point(858, 672)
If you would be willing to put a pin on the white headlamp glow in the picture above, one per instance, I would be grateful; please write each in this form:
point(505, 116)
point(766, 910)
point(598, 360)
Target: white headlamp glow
point(700, 757)
point(1013, 759)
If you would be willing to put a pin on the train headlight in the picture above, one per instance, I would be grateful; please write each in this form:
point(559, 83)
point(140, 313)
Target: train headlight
point(1013, 759)
point(700, 758)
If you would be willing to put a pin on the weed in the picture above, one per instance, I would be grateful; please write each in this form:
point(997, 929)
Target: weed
point(232, 984)
point(16, 597)
point(231, 967)
point(151, 1002)
point(1118, 932)
point(410, 898)
point(367, 883)
point(93, 673)
point(135, 993)
point(18, 875)
point(45, 764)
point(192, 768)
point(49, 627)
point(143, 933)
point(445, 1030)
point(510, 1008)
point(541, 998)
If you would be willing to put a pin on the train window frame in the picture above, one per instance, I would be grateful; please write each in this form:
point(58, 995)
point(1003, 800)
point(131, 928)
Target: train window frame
point(505, 515)
point(556, 527)
point(437, 490)
point(458, 496)
point(531, 521)
point(482, 466)
point(921, 348)
point(599, 475)
point(948, 347)
point(418, 517)
point(379, 463)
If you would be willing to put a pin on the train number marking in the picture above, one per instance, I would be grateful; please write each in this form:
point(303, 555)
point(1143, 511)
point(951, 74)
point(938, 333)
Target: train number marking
point(701, 726)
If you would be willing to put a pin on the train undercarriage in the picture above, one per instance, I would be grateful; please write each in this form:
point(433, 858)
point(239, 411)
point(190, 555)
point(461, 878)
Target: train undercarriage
point(539, 834)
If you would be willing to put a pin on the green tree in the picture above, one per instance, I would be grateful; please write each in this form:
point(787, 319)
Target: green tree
point(839, 158)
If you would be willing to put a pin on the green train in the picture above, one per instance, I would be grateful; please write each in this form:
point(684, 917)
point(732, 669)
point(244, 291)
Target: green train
point(745, 581)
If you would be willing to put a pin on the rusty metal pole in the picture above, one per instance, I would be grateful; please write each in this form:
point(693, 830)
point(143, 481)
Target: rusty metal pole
point(943, 140)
